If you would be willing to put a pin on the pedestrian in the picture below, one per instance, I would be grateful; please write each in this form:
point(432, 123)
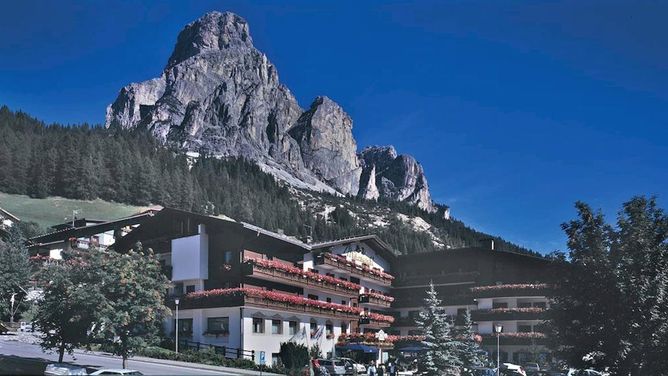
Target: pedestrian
point(371, 370)
point(392, 368)
point(381, 369)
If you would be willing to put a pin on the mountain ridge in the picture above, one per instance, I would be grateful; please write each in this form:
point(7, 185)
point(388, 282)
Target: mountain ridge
point(218, 95)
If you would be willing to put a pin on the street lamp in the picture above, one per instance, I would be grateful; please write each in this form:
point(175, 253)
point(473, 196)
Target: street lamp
point(498, 328)
point(177, 324)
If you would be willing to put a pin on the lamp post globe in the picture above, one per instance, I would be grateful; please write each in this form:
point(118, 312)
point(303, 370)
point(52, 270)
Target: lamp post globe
point(498, 328)
point(176, 301)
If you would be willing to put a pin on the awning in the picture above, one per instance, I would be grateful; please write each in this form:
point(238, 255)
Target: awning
point(358, 347)
point(412, 349)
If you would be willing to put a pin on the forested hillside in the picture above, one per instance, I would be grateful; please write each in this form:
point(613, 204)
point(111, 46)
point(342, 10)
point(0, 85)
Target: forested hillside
point(87, 162)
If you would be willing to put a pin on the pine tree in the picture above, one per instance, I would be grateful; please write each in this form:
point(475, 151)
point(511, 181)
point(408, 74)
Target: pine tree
point(440, 358)
point(470, 352)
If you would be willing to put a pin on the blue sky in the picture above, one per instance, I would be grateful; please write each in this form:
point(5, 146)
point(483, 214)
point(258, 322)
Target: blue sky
point(515, 109)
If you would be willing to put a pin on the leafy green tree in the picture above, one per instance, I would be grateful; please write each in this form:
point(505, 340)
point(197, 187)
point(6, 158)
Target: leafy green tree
point(469, 351)
point(133, 288)
point(294, 357)
point(441, 356)
point(71, 299)
point(15, 272)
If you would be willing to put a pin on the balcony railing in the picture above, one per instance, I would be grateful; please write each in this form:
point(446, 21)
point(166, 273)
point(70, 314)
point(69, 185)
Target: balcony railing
point(265, 299)
point(376, 299)
point(354, 268)
point(376, 320)
point(533, 338)
point(538, 289)
point(412, 280)
point(290, 275)
point(500, 314)
point(370, 339)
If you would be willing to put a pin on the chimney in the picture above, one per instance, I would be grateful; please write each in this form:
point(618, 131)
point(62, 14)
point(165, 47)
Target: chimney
point(487, 243)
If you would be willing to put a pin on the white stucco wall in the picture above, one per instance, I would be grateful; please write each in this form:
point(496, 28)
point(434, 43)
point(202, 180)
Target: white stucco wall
point(190, 258)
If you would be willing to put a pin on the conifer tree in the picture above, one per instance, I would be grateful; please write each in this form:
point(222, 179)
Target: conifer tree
point(469, 352)
point(440, 357)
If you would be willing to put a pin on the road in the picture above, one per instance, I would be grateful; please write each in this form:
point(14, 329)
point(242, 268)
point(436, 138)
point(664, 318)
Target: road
point(17, 358)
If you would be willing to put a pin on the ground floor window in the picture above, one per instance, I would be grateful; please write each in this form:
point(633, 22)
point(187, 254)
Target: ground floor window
point(276, 327)
point(314, 328)
point(218, 325)
point(293, 327)
point(185, 327)
point(275, 359)
point(258, 325)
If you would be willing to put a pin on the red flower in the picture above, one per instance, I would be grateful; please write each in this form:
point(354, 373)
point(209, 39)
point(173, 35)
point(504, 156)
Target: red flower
point(270, 295)
point(276, 265)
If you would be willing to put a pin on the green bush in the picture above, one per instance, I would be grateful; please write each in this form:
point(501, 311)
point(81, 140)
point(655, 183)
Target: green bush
point(206, 356)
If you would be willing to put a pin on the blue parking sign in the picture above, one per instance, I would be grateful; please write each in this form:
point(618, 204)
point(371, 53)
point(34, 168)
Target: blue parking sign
point(262, 358)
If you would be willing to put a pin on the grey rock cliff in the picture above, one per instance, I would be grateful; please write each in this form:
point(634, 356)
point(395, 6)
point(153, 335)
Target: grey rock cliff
point(398, 177)
point(325, 136)
point(219, 95)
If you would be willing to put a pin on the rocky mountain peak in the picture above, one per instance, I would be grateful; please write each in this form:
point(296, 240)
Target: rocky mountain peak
point(214, 31)
point(219, 95)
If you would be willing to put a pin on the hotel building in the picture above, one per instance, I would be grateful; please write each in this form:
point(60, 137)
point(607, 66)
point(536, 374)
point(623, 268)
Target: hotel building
point(242, 288)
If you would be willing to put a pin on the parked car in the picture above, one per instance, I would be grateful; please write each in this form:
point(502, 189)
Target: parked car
point(125, 372)
point(483, 371)
point(531, 367)
point(62, 369)
point(512, 369)
point(584, 372)
point(360, 368)
point(333, 366)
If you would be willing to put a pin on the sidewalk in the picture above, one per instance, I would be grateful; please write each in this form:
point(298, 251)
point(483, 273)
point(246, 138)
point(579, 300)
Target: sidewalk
point(177, 363)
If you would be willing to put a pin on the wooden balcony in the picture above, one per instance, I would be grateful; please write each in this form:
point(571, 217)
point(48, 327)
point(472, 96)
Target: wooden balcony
point(252, 269)
point(370, 299)
point(264, 299)
point(339, 263)
point(511, 290)
point(525, 339)
point(501, 314)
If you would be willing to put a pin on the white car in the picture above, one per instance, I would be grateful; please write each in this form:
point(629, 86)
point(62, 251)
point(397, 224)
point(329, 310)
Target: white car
point(126, 372)
point(64, 369)
point(360, 368)
point(513, 367)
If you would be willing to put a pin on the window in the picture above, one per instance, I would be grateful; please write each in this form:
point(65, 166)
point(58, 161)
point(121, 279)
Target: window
point(344, 327)
point(329, 300)
point(276, 327)
point(343, 302)
point(540, 305)
point(293, 327)
point(218, 325)
point(330, 275)
point(314, 328)
point(414, 314)
point(523, 304)
point(355, 280)
point(275, 359)
point(524, 328)
point(258, 325)
point(500, 305)
point(185, 327)
point(329, 330)
point(312, 297)
point(190, 288)
point(178, 288)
